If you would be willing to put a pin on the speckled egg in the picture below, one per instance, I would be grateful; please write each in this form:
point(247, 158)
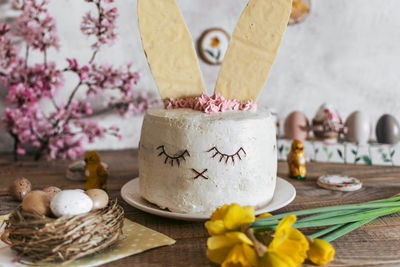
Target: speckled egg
point(296, 126)
point(71, 202)
point(51, 191)
point(387, 130)
point(20, 188)
point(99, 198)
point(358, 127)
point(37, 202)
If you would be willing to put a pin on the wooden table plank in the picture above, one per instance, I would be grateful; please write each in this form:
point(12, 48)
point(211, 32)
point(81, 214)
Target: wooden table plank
point(377, 243)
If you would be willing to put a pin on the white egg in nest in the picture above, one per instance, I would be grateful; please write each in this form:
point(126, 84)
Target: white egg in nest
point(71, 202)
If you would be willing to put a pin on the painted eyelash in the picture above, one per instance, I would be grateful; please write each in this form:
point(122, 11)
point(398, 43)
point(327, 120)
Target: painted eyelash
point(177, 158)
point(226, 156)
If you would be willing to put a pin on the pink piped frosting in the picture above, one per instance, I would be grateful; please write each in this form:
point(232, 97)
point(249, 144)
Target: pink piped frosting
point(211, 105)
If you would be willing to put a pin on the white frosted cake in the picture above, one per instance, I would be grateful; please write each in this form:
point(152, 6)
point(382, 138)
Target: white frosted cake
point(193, 162)
point(200, 152)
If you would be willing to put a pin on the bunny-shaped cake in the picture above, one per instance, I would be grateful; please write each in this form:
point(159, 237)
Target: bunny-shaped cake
point(198, 152)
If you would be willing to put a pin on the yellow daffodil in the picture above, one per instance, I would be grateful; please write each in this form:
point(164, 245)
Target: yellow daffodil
point(320, 252)
point(231, 249)
point(229, 218)
point(289, 246)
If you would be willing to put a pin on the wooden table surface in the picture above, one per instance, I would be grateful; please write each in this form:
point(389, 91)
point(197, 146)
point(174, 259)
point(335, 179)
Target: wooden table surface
point(377, 243)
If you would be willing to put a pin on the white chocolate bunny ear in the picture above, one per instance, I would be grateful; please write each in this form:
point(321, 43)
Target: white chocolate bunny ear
point(253, 49)
point(169, 49)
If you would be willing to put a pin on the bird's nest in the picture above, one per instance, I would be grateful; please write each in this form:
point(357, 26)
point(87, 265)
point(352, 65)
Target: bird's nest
point(43, 239)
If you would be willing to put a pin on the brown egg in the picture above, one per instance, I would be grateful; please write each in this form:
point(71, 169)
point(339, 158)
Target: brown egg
point(296, 126)
point(51, 191)
point(20, 187)
point(37, 202)
point(99, 198)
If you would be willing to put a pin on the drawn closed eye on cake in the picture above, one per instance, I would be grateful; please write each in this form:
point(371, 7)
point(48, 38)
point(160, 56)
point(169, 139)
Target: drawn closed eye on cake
point(171, 159)
point(227, 156)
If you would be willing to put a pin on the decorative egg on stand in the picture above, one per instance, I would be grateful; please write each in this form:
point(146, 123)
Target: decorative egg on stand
point(327, 124)
point(358, 127)
point(296, 126)
point(387, 130)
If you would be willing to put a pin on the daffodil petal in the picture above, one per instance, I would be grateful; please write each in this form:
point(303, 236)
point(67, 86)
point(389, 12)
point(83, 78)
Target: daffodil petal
point(249, 211)
point(321, 252)
point(221, 241)
point(215, 227)
point(295, 251)
point(239, 237)
point(286, 222)
point(289, 234)
point(240, 255)
point(219, 213)
point(236, 216)
point(289, 243)
point(272, 259)
point(251, 255)
point(218, 255)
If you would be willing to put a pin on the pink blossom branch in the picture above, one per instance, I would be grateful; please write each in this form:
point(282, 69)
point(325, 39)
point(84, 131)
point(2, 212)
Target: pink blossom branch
point(72, 95)
point(53, 101)
point(29, 85)
point(93, 57)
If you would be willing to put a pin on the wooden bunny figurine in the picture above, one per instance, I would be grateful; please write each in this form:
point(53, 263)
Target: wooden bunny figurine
point(297, 161)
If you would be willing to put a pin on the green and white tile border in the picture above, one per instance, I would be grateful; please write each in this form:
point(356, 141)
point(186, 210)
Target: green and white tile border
point(344, 152)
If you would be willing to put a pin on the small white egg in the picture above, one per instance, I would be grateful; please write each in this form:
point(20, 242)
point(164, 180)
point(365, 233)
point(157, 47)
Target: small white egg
point(71, 202)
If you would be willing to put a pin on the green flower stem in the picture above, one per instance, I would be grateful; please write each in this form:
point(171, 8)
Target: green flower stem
point(329, 214)
point(267, 221)
point(390, 199)
point(326, 230)
point(348, 218)
point(352, 226)
point(338, 219)
point(335, 212)
point(347, 229)
point(344, 212)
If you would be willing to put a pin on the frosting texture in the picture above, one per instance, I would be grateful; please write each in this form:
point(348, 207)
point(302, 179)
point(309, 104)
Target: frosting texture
point(192, 162)
point(214, 104)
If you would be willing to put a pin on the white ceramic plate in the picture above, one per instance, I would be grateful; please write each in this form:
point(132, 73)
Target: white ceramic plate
point(284, 194)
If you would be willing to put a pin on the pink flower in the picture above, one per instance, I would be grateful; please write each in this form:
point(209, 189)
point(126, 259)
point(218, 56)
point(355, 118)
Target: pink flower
point(36, 26)
point(21, 151)
point(84, 73)
point(8, 51)
point(73, 64)
point(103, 28)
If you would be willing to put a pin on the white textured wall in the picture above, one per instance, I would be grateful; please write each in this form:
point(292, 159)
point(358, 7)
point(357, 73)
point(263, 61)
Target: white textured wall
point(346, 53)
